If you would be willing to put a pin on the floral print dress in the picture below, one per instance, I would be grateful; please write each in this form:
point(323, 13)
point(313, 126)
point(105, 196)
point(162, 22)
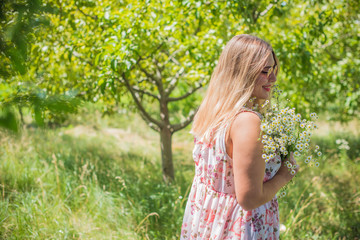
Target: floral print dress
point(212, 211)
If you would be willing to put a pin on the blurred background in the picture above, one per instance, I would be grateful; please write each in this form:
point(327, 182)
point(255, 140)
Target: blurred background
point(97, 99)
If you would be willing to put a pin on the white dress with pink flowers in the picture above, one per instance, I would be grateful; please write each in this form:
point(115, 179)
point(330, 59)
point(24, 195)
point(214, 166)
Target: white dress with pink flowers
point(212, 211)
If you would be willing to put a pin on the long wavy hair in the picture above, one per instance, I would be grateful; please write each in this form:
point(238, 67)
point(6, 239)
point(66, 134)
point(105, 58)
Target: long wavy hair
point(231, 85)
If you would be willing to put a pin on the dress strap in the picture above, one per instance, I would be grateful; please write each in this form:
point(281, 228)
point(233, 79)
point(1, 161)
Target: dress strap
point(223, 141)
point(245, 109)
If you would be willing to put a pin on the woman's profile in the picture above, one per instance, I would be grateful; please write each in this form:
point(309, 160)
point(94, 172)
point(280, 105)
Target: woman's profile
point(233, 194)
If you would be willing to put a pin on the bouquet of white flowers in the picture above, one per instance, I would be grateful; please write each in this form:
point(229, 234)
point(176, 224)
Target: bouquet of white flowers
point(283, 131)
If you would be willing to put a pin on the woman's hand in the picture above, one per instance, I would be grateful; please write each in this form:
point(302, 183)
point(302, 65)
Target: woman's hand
point(284, 171)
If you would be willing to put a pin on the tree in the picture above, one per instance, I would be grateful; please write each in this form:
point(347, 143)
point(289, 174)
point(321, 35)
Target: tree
point(170, 66)
point(155, 57)
point(19, 20)
point(16, 21)
point(317, 44)
point(147, 52)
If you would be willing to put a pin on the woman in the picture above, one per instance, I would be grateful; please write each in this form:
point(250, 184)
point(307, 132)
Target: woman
point(233, 192)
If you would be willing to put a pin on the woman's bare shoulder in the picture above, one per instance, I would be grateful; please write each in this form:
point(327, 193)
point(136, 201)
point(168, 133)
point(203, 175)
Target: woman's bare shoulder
point(245, 125)
point(246, 120)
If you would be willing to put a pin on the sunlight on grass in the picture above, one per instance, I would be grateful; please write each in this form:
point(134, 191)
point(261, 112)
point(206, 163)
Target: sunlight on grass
point(105, 182)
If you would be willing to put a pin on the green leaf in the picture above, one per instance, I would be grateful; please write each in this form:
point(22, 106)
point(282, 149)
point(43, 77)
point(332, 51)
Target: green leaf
point(98, 58)
point(114, 65)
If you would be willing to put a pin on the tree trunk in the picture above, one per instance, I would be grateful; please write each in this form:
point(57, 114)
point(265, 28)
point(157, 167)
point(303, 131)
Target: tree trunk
point(21, 117)
point(166, 154)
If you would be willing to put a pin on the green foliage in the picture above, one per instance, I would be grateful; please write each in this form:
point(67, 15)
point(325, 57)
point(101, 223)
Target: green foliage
point(59, 184)
point(55, 53)
point(316, 42)
point(87, 45)
point(329, 145)
point(318, 206)
point(43, 106)
point(8, 120)
point(76, 186)
point(20, 20)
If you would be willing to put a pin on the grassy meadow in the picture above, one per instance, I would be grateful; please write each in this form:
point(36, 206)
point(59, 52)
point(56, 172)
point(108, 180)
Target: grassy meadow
point(100, 178)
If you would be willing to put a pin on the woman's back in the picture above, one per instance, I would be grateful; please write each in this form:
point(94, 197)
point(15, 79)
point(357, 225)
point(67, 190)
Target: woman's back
point(212, 211)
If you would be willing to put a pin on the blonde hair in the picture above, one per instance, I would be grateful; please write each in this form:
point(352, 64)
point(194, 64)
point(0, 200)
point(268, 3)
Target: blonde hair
point(231, 84)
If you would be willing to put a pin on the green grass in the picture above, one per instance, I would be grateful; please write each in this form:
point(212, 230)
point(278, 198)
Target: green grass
point(95, 182)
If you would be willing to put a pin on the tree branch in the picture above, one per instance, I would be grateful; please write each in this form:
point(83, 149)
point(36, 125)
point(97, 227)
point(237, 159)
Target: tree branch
point(150, 124)
point(174, 81)
point(188, 120)
point(150, 54)
point(78, 55)
point(171, 57)
point(150, 76)
point(185, 95)
point(143, 112)
point(267, 9)
point(330, 43)
point(95, 18)
point(197, 30)
point(136, 89)
point(332, 56)
point(142, 80)
point(158, 69)
point(255, 14)
point(155, 78)
point(143, 58)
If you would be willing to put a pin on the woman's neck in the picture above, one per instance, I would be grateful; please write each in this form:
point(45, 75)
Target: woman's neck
point(250, 103)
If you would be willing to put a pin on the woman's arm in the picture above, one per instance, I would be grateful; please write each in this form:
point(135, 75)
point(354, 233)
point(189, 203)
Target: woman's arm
point(249, 166)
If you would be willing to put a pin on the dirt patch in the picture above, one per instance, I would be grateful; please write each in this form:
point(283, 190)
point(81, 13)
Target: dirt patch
point(326, 127)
